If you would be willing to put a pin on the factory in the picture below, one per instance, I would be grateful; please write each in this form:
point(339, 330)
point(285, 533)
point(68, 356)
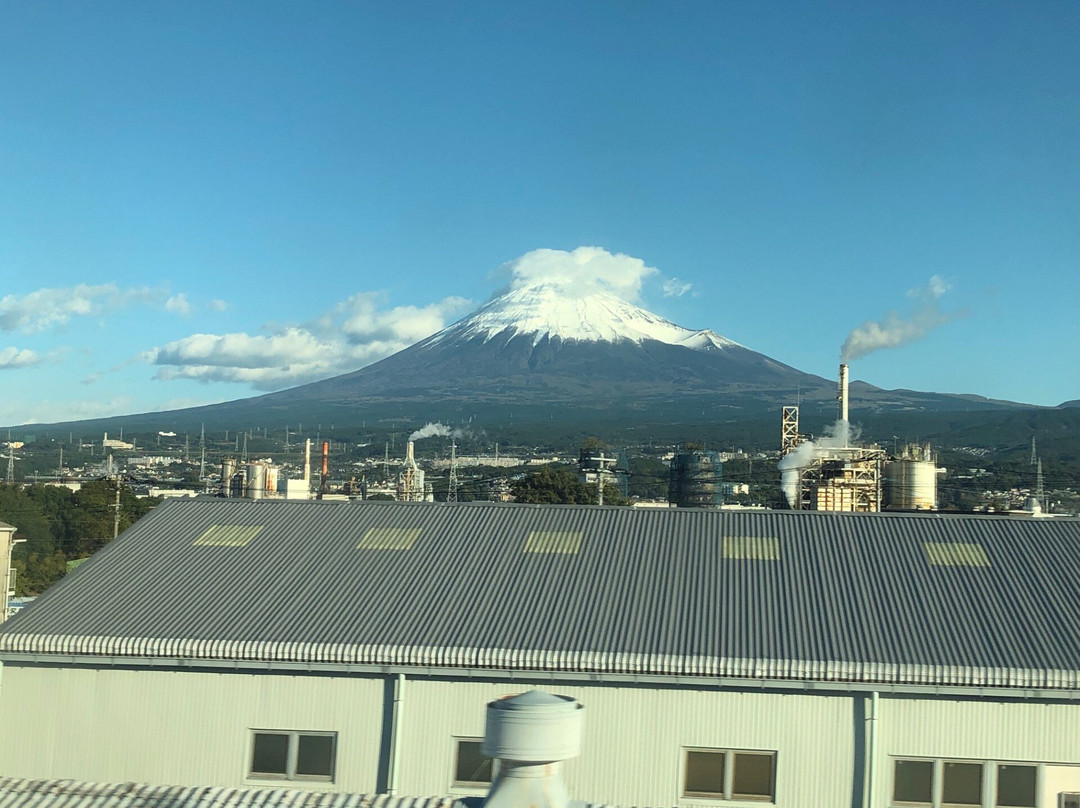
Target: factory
point(835, 473)
point(786, 658)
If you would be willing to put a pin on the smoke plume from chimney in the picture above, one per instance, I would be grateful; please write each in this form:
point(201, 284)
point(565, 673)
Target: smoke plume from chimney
point(895, 330)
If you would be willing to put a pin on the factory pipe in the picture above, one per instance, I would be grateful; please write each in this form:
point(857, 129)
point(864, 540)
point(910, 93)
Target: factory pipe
point(842, 393)
point(395, 735)
point(325, 467)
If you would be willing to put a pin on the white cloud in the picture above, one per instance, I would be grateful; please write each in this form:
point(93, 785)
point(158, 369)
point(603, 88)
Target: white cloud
point(217, 304)
point(11, 358)
point(178, 304)
point(583, 271)
point(353, 334)
point(673, 287)
point(52, 307)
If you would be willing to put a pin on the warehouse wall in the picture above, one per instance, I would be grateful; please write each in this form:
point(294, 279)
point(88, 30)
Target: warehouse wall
point(635, 737)
point(194, 728)
point(981, 730)
point(177, 727)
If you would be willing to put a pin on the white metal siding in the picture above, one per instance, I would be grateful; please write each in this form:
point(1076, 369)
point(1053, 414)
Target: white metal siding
point(975, 730)
point(179, 728)
point(635, 736)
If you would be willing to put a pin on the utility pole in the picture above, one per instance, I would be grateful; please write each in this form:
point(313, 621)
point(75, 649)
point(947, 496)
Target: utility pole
point(1033, 456)
point(116, 508)
point(451, 492)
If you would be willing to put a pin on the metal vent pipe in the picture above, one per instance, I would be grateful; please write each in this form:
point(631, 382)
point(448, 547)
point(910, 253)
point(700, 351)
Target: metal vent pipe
point(530, 735)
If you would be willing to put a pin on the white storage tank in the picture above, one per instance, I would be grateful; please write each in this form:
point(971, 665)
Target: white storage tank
point(256, 481)
point(910, 485)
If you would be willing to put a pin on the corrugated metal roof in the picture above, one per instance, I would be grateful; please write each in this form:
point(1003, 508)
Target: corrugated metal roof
point(811, 596)
point(18, 793)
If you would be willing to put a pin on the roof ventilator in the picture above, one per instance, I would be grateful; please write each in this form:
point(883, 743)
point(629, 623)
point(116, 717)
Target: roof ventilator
point(530, 735)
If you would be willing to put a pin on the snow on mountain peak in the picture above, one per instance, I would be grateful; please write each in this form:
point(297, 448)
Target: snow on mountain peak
point(543, 310)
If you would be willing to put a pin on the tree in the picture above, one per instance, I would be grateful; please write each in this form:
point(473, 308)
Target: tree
point(558, 485)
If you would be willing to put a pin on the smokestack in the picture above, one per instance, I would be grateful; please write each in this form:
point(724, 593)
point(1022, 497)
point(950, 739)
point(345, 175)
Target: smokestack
point(531, 735)
point(409, 459)
point(325, 466)
point(842, 393)
point(307, 462)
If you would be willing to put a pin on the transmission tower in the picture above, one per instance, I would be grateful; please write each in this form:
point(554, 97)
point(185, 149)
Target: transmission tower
point(451, 491)
point(243, 455)
point(1033, 456)
point(10, 462)
point(187, 452)
point(202, 452)
point(1040, 492)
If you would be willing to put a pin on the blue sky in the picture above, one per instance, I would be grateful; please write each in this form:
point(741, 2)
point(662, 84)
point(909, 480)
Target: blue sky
point(202, 201)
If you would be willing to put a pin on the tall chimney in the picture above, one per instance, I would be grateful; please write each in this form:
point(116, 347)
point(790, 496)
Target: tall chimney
point(307, 461)
point(530, 735)
point(842, 393)
point(325, 467)
point(410, 460)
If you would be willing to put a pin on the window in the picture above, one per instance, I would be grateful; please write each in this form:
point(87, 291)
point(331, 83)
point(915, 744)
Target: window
point(727, 774)
point(471, 766)
point(964, 784)
point(287, 755)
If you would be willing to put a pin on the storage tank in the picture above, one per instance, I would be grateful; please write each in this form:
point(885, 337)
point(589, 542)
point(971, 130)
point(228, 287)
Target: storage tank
point(910, 485)
point(228, 469)
point(694, 481)
point(256, 481)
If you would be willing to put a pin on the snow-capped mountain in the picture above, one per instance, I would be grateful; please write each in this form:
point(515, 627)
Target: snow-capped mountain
point(537, 354)
point(537, 347)
point(542, 311)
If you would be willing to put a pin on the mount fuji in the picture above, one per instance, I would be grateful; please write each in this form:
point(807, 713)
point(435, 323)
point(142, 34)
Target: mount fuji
point(536, 353)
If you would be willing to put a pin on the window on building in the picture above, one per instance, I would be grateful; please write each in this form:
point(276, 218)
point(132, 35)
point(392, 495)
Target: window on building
point(964, 784)
point(913, 783)
point(729, 774)
point(292, 755)
point(1016, 786)
point(471, 766)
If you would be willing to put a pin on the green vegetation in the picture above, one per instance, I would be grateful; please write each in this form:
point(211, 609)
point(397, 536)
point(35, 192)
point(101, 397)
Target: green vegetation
point(558, 485)
point(60, 526)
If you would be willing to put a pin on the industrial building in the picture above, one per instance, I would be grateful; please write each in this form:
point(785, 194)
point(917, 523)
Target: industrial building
point(725, 658)
point(835, 473)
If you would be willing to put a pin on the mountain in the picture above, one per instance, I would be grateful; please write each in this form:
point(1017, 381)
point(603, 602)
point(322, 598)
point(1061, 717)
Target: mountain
point(537, 354)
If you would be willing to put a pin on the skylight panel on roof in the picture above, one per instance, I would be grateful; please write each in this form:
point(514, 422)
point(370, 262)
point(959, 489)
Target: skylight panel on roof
point(389, 538)
point(228, 536)
point(754, 548)
point(955, 554)
point(566, 542)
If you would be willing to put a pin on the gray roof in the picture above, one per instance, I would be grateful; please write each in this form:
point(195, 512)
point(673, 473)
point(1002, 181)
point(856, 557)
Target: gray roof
point(901, 598)
point(19, 793)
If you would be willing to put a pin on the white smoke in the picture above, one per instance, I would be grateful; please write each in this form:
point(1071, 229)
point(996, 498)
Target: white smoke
point(838, 436)
point(433, 430)
point(895, 330)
